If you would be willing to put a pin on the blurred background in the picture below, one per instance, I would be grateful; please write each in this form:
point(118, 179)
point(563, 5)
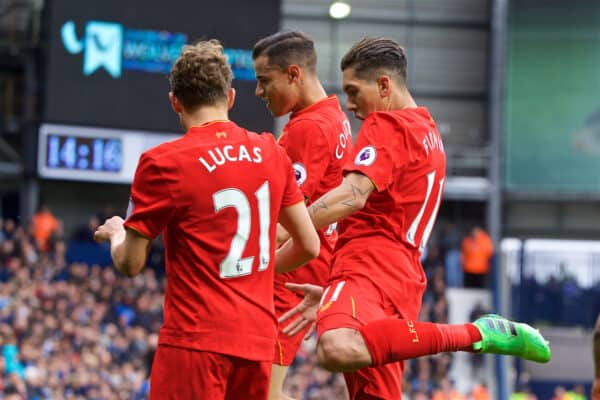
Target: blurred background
point(513, 86)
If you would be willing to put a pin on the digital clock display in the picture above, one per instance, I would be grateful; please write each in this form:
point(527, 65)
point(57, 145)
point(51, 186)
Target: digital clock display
point(93, 154)
point(84, 153)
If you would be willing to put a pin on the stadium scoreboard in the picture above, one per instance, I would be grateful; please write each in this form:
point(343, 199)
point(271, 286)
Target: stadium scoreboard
point(92, 154)
point(107, 64)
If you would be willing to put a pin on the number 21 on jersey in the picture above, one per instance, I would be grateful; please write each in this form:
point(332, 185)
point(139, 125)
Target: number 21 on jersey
point(233, 265)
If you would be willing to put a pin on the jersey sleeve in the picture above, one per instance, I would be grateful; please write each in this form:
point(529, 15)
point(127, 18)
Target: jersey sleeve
point(379, 152)
point(309, 151)
point(151, 205)
point(292, 193)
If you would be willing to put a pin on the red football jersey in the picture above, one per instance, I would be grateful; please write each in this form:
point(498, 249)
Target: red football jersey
point(403, 155)
point(216, 193)
point(318, 140)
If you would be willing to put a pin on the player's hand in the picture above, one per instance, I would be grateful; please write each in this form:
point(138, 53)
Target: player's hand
point(305, 312)
point(109, 229)
point(596, 390)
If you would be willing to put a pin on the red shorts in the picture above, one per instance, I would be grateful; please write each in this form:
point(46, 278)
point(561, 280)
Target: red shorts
point(286, 346)
point(352, 302)
point(182, 374)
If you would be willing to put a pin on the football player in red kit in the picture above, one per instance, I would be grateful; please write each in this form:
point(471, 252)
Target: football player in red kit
point(217, 194)
point(386, 206)
point(318, 140)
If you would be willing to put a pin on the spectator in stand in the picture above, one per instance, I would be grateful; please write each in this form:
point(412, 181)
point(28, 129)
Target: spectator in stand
point(85, 232)
point(477, 250)
point(9, 229)
point(577, 393)
point(44, 224)
point(451, 242)
point(560, 393)
point(447, 391)
point(419, 395)
point(480, 392)
point(431, 258)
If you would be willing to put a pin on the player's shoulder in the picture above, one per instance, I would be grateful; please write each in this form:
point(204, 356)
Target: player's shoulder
point(322, 114)
point(314, 124)
point(383, 118)
point(162, 151)
point(266, 141)
point(383, 122)
point(263, 138)
point(398, 121)
point(403, 117)
point(300, 124)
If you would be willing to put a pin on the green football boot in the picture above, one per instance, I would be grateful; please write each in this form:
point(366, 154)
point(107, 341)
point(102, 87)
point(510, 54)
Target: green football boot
point(501, 336)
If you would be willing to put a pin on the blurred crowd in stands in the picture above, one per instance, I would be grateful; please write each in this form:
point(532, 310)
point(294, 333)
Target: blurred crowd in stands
point(561, 300)
point(72, 328)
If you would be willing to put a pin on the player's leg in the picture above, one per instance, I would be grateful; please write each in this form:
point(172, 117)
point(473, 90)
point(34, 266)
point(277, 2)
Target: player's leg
point(278, 374)
point(380, 383)
point(343, 350)
point(348, 305)
point(179, 373)
point(286, 346)
point(248, 380)
point(394, 340)
point(377, 342)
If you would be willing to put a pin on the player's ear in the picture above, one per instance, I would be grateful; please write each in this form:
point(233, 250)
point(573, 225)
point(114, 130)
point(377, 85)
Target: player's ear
point(230, 98)
point(384, 84)
point(175, 103)
point(294, 73)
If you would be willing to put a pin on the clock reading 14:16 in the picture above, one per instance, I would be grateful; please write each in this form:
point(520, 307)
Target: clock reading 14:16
point(84, 153)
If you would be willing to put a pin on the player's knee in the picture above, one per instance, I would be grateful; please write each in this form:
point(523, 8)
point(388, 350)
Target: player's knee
point(341, 351)
point(331, 354)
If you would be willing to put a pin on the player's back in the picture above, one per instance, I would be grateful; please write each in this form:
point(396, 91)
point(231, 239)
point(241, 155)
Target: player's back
point(227, 186)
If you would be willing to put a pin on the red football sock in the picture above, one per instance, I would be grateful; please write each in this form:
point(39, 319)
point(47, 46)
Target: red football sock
point(392, 340)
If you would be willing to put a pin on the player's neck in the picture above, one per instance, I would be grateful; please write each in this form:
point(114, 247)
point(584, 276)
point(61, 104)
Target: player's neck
point(403, 99)
point(312, 93)
point(204, 115)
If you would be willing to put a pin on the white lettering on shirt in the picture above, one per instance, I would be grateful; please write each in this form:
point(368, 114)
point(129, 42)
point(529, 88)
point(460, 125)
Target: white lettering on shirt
point(432, 141)
point(344, 137)
point(221, 155)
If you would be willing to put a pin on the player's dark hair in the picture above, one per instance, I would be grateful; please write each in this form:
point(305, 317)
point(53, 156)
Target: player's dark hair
point(371, 56)
point(201, 75)
point(286, 48)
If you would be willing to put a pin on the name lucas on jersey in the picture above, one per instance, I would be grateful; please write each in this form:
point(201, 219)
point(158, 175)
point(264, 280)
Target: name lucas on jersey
point(229, 153)
point(432, 141)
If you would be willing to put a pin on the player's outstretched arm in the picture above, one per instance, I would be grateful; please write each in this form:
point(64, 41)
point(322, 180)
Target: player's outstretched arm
point(128, 248)
point(304, 244)
point(335, 205)
point(596, 345)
